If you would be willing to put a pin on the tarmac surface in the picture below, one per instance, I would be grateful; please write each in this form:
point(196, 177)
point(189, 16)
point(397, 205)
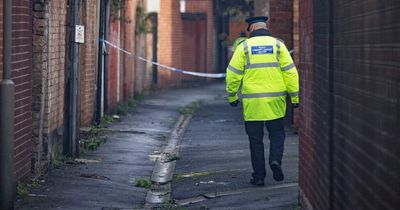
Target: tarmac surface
point(215, 167)
point(212, 172)
point(108, 183)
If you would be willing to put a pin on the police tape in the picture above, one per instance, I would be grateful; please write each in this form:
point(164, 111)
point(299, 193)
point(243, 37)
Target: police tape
point(197, 74)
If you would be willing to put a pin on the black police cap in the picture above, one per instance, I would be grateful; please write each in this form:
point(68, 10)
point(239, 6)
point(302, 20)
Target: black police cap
point(257, 19)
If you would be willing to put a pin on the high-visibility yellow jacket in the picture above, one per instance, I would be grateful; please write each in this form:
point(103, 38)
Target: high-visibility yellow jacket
point(266, 70)
point(237, 42)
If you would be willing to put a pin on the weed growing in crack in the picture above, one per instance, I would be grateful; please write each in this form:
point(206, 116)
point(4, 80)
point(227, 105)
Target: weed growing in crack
point(91, 144)
point(169, 206)
point(191, 108)
point(194, 176)
point(297, 207)
point(173, 157)
point(22, 190)
point(143, 183)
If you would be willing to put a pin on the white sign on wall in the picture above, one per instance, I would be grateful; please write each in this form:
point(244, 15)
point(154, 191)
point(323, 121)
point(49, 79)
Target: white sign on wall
point(182, 7)
point(153, 6)
point(80, 34)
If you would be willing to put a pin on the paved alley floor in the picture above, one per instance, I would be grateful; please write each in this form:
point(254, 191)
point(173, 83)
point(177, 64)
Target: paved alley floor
point(214, 169)
point(108, 182)
point(212, 172)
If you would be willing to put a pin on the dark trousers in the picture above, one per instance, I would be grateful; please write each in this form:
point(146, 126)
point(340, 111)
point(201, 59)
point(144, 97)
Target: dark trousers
point(276, 134)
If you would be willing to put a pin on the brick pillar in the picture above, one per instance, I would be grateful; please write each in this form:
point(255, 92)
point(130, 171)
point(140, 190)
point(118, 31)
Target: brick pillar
point(49, 56)
point(129, 42)
point(22, 77)
point(280, 20)
point(88, 61)
point(307, 172)
point(169, 41)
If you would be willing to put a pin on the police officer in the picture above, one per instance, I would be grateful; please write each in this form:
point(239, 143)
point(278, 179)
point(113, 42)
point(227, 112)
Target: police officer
point(266, 70)
point(242, 37)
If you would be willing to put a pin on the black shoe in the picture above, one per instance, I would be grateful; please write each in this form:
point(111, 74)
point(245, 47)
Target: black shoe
point(277, 171)
point(257, 182)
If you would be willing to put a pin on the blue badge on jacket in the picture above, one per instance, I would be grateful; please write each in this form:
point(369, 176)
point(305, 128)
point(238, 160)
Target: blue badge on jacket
point(266, 49)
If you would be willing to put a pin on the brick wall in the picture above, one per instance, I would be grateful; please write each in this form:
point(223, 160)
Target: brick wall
point(280, 20)
point(235, 28)
point(306, 132)
point(129, 40)
point(143, 45)
point(114, 80)
point(316, 140)
point(127, 75)
point(40, 84)
point(172, 40)
point(349, 138)
point(88, 61)
point(169, 41)
point(205, 6)
point(21, 75)
point(49, 49)
point(366, 96)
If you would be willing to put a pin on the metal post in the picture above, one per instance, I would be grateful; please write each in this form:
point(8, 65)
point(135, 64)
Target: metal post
point(7, 100)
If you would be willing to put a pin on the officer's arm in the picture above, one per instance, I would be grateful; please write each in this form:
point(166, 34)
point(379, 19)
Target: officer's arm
point(289, 72)
point(234, 73)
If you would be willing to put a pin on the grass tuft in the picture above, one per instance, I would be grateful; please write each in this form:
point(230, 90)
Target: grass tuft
point(143, 183)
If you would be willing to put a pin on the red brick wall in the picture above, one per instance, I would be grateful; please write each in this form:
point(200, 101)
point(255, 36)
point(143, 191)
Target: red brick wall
point(281, 20)
point(194, 48)
point(349, 153)
point(307, 173)
point(114, 82)
point(171, 39)
point(21, 75)
point(129, 40)
point(206, 6)
point(121, 71)
point(49, 40)
point(296, 32)
point(366, 104)
point(234, 30)
point(88, 61)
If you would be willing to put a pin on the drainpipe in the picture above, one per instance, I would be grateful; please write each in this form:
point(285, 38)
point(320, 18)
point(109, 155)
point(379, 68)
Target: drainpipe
point(331, 82)
point(7, 100)
point(106, 58)
point(154, 21)
point(100, 67)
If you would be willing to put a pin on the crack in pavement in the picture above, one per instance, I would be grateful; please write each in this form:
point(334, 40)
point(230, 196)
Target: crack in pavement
point(213, 195)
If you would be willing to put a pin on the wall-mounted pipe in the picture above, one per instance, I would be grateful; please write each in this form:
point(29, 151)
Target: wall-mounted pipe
point(7, 103)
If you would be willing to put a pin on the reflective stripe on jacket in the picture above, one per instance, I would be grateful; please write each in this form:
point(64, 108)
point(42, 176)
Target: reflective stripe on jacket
point(264, 66)
point(237, 42)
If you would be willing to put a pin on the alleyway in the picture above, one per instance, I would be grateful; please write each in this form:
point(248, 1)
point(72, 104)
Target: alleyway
point(137, 104)
point(214, 160)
